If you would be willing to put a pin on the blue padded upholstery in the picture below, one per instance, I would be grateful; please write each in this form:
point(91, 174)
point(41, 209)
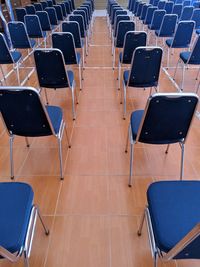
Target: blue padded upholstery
point(15, 206)
point(136, 118)
point(174, 211)
point(78, 56)
point(55, 115)
point(192, 57)
point(70, 77)
point(16, 55)
point(126, 75)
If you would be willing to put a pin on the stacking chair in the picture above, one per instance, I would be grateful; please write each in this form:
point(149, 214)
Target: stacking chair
point(143, 13)
point(44, 21)
point(196, 18)
point(74, 29)
point(18, 220)
point(49, 3)
point(155, 3)
point(38, 6)
point(24, 114)
point(30, 9)
point(132, 40)
point(9, 57)
point(182, 37)
point(44, 4)
point(67, 7)
point(59, 12)
point(52, 16)
point(161, 4)
point(196, 4)
point(19, 36)
point(115, 28)
point(122, 29)
point(33, 28)
point(64, 41)
point(186, 13)
point(144, 71)
point(165, 120)
point(172, 217)
point(113, 17)
point(83, 14)
point(79, 19)
point(62, 5)
point(156, 20)
point(149, 15)
point(167, 27)
point(51, 72)
point(20, 14)
point(187, 3)
point(168, 7)
point(177, 9)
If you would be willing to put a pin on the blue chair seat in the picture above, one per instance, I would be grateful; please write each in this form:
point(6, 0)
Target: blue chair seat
point(136, 118)
point(186, 55)
point(33, 43)
point(16, 203)
point(169, 43)
point(55, 115)
point(197, 31)
point(174, 211)
point(161, 35)
point(71, 77)
point(120, 56)
point(78, 55)
point(126, 75)
point(16, 56)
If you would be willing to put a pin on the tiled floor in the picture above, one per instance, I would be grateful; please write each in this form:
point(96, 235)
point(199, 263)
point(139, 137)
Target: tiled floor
point(93, 215)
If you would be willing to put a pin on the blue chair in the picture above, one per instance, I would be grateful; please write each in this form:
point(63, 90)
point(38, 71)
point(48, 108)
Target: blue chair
point(196, 18)
point(169, 7)
point(113, 16)
point(20, 14)
point(189, 58)
point(117, 20)
point(172, 217)
point(52, 16)
point(165, 120)
point(44, 4)
point(9, 57)
point(59, 12)
point(144, 71)
point(161, 4)
point(182, 37)
point(18, 218)
point(49, 3)
point(186, 13)
point(167, 27)
point(156, 20)
point(177, 9)
point(187, 3)
point(51, 72)
point(19, 36)
point(34, 28)
point(124, 26)
point(149, 15)
point(155, 3)
point(62, 5)
point(196, 4)
point(44, 21)
point(144, 12)
point(25, 115)
point(38, 6)
point(30, 9)
point(132, 40)
point(67, 7)
point(83, 14)
point(65, 43)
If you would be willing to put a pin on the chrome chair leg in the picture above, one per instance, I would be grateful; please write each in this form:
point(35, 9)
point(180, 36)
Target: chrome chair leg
point(27, 142)
point(69, 145)
point(127, 139)
point(4, 78)
point(155, 259)
point(176, 70)
point(167, 149)
point(182, 161)
point(183, 77)
point(124, 117)
point(17, 73)
point(46, 230)
point(141, 225)
point(113, 65)
point(131, 164)
point(11, 157)
point(73, 105)
point(26, 261)
point(46, 96)
point(80, 78)
point(119, 74)
point(60, 158)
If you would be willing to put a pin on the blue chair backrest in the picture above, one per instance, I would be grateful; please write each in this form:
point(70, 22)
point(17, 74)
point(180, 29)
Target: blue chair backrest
point(149, 15)
point(33, 26)
point(59, 13)
point(20, 14)
point(50, 68)
point(183, 34)
point(23, 112)
point(196, 4)
point(113, 12)
point(71, 6)
point(145, 67)
point(151, 2)
point(155, 2)
point(132, 5)
point(82, 13)
point(195, 53)
point(49, 3)
point(179, 2)
point(79, 19)
point(157, 19)
point(186, 13)
point(89, 10)
point(44, 20)
point(169, 7)
point(144, 11)
point(74, 29)
point(187, 3)
point(38, 6)
point(123, 28)
point(64, 41)
point(62, 5)
point(5, 55)
point(52, 15)
point(132, 40)
point(161, 4)
point(30, 9)
point(44, 4)
point(67, 7)
point(135, 7)
point(117, 20)
point(177, 9)
point(168, 25)
point(196, 18)
point(18, 35)
point(139, 9)
point(167, 118)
